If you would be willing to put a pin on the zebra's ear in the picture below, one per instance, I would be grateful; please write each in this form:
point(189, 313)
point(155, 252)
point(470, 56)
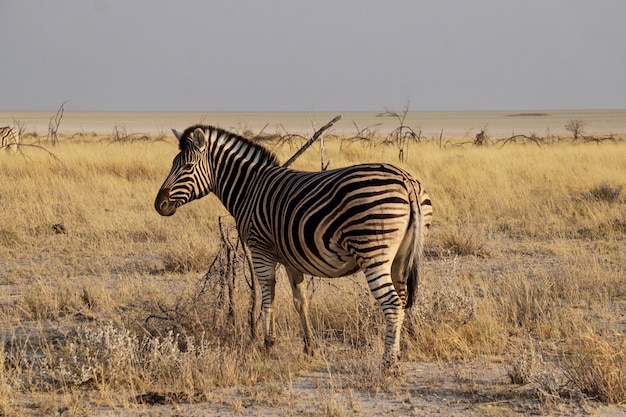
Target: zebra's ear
point(199, 140)
point(177, 134)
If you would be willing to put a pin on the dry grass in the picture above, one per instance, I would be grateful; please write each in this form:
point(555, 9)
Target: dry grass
point(526, 264)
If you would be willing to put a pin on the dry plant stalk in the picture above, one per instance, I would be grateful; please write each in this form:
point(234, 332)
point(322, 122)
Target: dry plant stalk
point(53, 126)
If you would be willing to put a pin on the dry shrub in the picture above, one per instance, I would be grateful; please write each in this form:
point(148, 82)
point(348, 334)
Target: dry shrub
point(597, 365)
point(522, 368)
point(529, 366)
point(605, 192)
point(110, 356)
point(103, 354)
point(223, 306)
point(444, 303)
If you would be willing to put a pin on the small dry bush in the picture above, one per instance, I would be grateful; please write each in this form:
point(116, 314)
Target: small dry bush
point(605, 192)
point(107, 357)
point(592, 364)
point(597, 365)
point(532, 368)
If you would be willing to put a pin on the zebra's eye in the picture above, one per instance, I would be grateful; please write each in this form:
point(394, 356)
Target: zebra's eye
point(188, 167)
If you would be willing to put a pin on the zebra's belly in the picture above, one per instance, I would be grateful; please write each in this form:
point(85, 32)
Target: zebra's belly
point(330, 266)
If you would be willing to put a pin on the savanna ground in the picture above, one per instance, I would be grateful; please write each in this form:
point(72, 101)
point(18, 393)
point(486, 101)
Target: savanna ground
point(109, 309)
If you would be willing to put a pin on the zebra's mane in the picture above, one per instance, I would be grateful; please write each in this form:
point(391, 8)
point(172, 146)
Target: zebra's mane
point(245, 147)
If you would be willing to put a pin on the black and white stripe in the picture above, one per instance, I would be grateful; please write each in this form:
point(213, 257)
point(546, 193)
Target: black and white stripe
point(370, 217)
point(9, 138)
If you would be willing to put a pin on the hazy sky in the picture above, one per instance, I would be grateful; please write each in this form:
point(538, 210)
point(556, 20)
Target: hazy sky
point(275, 55)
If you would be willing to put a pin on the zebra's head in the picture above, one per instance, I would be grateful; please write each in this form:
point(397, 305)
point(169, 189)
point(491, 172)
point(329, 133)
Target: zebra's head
point(189, 177)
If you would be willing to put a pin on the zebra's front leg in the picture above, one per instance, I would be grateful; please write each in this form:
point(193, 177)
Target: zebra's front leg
point(266, 275)
point(300, 301)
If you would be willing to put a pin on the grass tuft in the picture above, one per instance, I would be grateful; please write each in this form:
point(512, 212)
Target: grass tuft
point(463, 241)
point(605, 192)
point(597, 366)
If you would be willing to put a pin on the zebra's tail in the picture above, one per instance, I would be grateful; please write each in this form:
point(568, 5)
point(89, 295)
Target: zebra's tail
point(413, 259)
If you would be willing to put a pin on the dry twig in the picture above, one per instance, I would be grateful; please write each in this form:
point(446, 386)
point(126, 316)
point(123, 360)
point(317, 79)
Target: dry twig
point(310, 142)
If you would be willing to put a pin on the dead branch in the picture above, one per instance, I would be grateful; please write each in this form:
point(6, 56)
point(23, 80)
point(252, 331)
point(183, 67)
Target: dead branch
point(403, 134)
point(365, 136)
point(311, 141)
point(32, 145)
point(53, 125)
point(450, 144)
point(216, 300)
point(21, 129)
point(532, 138)
point(598, 140)
point(290, 139)
point(120, 135)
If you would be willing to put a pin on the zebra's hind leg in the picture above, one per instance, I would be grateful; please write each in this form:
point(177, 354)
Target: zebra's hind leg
point(384, 291)
point(300, 301)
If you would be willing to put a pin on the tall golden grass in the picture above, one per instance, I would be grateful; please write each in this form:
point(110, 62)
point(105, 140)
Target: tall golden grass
point(526, 264)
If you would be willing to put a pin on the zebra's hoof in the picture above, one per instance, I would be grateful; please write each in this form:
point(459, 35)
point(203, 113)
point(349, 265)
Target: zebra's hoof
point(309, 350)
point(392, 369)
point(269, 343)
point(390, 361)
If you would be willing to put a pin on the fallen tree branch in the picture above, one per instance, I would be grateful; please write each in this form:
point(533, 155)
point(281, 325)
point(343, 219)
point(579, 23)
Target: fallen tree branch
point(595, 139)
point(514, 138)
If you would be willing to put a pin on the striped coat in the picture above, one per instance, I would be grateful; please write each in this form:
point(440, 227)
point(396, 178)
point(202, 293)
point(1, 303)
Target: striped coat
point(9, 138)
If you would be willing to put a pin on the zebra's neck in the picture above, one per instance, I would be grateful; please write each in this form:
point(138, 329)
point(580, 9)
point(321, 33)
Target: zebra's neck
point(236, 163)
point(236, 145)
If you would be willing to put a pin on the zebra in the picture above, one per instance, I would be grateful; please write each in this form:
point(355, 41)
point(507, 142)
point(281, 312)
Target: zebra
point(9, 138)
point(369, 217)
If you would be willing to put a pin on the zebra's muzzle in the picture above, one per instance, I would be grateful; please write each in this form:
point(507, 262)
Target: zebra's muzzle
point(163, 205)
